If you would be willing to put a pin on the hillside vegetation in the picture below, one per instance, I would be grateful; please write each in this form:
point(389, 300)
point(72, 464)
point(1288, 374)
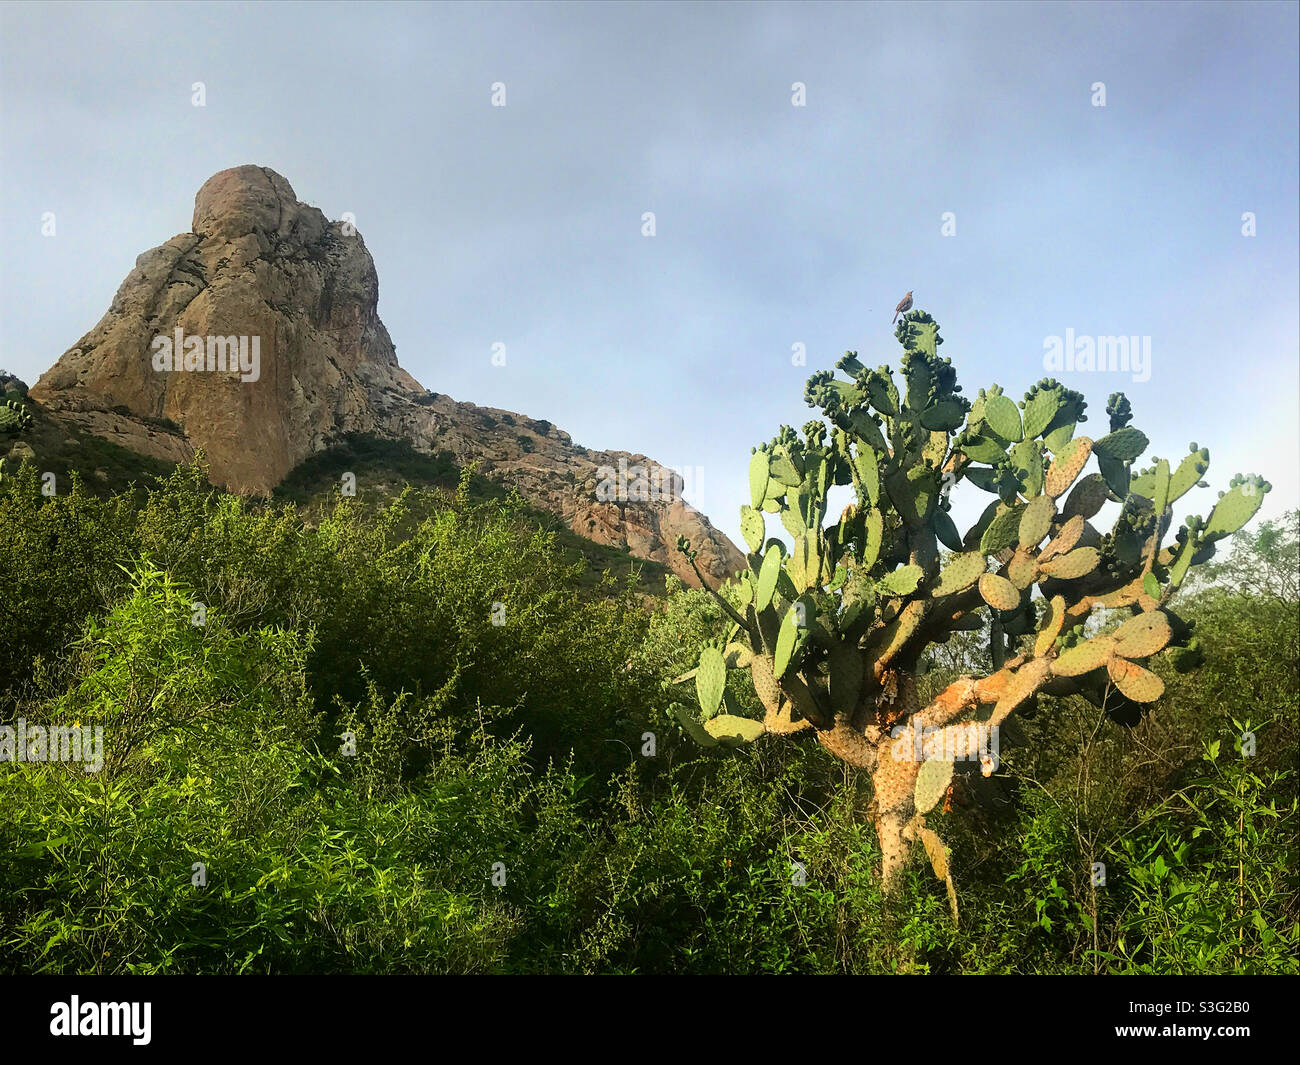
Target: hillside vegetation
point(501, 812)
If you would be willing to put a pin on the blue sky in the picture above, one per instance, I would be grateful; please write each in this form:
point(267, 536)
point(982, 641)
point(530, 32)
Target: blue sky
point(776, 225)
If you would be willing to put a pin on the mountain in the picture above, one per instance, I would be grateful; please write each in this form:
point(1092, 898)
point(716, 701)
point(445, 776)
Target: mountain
point(257, 338)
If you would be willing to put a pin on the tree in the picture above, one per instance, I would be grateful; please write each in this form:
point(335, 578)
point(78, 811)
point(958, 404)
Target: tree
point(833, 630)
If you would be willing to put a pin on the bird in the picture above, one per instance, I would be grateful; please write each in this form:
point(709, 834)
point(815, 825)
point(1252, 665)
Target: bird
point(904, 305)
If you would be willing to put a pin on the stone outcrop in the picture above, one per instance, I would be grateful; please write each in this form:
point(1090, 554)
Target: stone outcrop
point(303, 293)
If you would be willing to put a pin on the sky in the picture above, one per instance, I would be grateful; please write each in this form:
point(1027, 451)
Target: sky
point(963, 152)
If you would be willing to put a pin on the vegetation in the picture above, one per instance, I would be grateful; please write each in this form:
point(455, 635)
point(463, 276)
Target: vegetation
point(411, 731)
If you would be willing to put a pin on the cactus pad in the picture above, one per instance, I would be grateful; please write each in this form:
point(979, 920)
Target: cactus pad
point(1189, 472)
point(710, 680)
point(1002, 531)
point(999, 592)
point(1050, 627)
point(731, 730)
point(1078, 563)
point(693, 727)
point(1001, 415)
point(897, 632)
point(1022, 570)
point(945, 530)
point(752, 528)
point(1142, 636)
point(1067, 466)
point(960, 574)
point(1123, 444)
point(758, 477)
point(900, 582)
point(1235, 508)
point(1140, 685)
point(1035, 521)
point(1023, 683)
point(792, 637)
point(1085, 657)
point(932, 780)
point(765, 685)
point(936, 852)
point(767, 575)
point(1088, 497)
point(1041, 407)
point(1064, 541)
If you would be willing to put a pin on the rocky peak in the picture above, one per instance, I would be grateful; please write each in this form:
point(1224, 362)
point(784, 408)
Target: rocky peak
point(256, 336)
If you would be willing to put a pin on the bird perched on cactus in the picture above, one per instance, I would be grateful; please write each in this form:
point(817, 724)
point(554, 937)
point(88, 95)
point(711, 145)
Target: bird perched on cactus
point(904, 305)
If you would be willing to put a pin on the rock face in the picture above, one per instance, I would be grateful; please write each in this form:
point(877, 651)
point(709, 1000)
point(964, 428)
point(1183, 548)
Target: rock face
point(159, 373)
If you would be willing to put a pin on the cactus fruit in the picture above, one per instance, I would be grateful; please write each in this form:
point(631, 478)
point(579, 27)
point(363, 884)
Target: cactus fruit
point(999, 592)
point(1084, 657)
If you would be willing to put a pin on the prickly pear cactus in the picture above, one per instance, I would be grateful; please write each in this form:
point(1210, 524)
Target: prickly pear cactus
point(833, 627)
point(14, 415)
point(14, 418)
